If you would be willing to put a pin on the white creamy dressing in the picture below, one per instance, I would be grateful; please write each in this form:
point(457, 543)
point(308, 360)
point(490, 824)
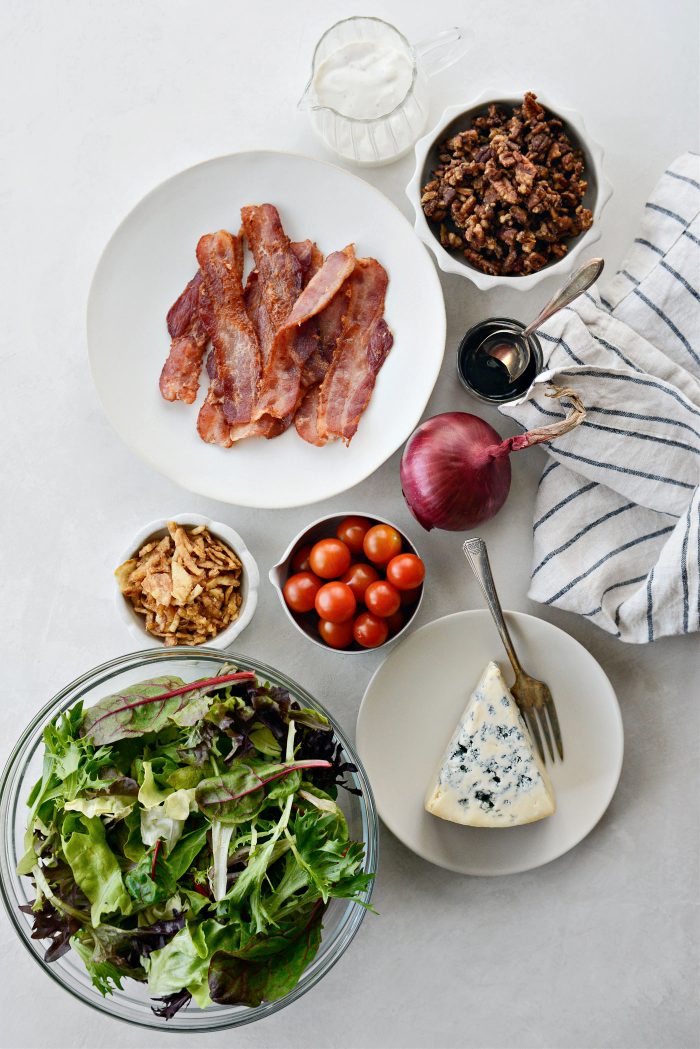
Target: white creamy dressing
point(364, 79)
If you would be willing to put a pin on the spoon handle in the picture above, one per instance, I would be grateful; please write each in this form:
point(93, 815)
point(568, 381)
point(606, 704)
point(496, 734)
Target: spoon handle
point(577, 283)
point(478, 558)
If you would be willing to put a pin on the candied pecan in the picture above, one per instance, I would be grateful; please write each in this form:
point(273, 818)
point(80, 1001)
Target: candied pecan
point(532, 110)
point(505, 189)
point(527, 240)
point(510, 261)
point(480, 263)
point(534, 262)
point(508, 191)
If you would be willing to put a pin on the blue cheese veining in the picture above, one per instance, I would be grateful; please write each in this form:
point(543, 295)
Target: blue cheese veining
point(490, 774)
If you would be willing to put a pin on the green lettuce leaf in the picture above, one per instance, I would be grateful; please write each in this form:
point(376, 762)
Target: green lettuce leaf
point(264, 741)
point(148, 883)
point(237, 796)
point(103, 805)
point(132, 712)
point(179, 964)
point(104, 974)
point(149, 793)
point(332, 863)
point(186, 851)
point(95, 867)
point(155, 824)
point(267, 968)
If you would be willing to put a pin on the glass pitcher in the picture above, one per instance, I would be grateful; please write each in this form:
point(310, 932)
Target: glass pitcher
point(380, 139)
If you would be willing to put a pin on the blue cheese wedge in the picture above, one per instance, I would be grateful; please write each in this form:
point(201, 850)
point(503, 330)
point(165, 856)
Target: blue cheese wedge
point(490, 774)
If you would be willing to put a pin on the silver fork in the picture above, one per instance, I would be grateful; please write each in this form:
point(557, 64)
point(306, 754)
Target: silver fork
point(532, 696)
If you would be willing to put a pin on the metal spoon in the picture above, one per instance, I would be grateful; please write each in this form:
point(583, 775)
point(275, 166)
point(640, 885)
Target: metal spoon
point(511, 349)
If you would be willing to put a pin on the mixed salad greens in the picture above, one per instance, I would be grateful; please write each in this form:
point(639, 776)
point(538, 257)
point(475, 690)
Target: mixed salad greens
point(188, 836)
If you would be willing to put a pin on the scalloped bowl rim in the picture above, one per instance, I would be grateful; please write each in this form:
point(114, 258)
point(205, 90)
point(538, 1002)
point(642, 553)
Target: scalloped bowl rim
point(484, 281)
point(251, 579)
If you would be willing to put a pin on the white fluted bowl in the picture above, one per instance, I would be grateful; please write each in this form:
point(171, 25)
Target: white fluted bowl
point(250, 579)
point(458, 118)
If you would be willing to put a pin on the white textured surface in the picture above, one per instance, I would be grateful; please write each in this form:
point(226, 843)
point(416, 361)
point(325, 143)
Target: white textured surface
point(101, 102)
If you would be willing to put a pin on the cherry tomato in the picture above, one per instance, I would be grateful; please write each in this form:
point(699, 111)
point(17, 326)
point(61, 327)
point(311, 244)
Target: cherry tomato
point(370, 631)
point(329, 558)
point(358, 577)
point(337, 635)
point(382, 598)
point(395, 622)
point(335, 602)
point(352, 530)
point(410, 597)
point(300, 591)
point(381, 543)
point(406, 571)
point(300, 559)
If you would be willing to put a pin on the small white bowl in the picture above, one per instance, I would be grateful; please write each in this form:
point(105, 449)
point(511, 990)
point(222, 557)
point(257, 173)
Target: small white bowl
point(323, 528)
point(598, 193)
point(250, 578)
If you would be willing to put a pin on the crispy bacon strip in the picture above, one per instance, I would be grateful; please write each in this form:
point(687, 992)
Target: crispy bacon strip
point(179, 379)
point(282, 270)
point(280, 388)
point(361, 350)
point(306, 418)
point(211, 422)
point(310, 259)
point(236, 359)
point(279, 269)
point(330, 325)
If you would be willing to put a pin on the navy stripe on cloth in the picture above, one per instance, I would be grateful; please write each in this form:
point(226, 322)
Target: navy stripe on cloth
point(644, 418)
point(621, 377)
point(618, 353)
point(683, 178)
point(615, 586)
point(615, 429)
point(680, 278)
point(629, 276)
point(650, 606)
point(602, 341)
point(612, 553)
point(545, 473)
point(642, 436)
point(621, 469)
point(695, 240)
point(667, 320)
point(664, 211)
point(557, 506)
point(560, 342)
point(648, 244)
point(583, 531)
point(684, 574)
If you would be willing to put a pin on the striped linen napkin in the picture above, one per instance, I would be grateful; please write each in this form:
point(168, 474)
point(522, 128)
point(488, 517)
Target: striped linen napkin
point(617, 516)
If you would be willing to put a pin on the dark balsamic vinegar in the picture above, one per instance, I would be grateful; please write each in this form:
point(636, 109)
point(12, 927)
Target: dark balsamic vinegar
point(484, 375)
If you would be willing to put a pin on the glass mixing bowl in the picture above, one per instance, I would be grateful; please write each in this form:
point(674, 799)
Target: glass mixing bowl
point(132, 1004)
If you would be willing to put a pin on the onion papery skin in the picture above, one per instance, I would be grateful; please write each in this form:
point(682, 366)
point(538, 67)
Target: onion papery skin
point(455, 472)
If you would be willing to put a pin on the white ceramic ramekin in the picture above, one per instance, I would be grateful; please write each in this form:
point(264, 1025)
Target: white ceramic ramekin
point(323, 528)
point(461, 115)
point(250, 579)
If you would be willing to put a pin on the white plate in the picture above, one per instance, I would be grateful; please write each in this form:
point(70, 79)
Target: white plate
point(414, 701)
point(151, 257)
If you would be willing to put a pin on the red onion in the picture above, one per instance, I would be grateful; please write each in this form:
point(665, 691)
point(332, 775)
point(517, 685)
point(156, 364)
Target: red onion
point(455, 471)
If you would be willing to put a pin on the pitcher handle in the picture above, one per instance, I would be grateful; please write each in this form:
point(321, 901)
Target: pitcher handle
point(443, 50)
